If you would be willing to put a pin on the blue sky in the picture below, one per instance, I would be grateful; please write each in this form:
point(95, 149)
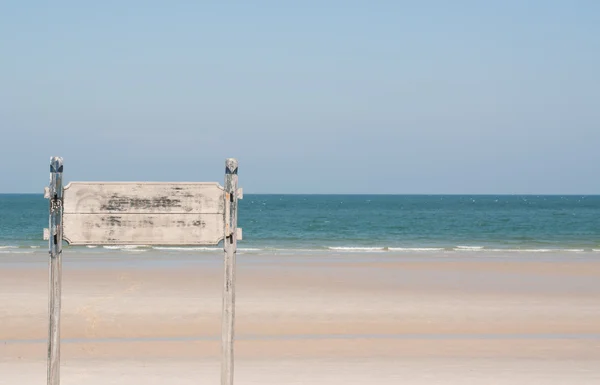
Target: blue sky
point(427, 97)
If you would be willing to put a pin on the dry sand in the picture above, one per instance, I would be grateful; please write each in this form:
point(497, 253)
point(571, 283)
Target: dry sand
point(308, 319)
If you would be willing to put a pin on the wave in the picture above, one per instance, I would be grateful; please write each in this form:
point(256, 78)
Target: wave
point(358, 249)
point(124, 247)
point(416, 248)
point(523, 250)
point(474, 248)
point(455, 249)
point(188, 248)
point(318, 249)
point(196, 248)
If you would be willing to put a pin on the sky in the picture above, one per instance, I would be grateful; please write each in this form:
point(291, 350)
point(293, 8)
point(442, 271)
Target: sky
point(393, 97)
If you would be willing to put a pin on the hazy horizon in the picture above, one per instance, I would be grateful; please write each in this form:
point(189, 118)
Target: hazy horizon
point(374, 194)
point(494, 98)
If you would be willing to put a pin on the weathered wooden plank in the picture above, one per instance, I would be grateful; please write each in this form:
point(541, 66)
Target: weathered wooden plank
point(55, 194)
point(143, 229)
point(230, 248)
point(143, 197)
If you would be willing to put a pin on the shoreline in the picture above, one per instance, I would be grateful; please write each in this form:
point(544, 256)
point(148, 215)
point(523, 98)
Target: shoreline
point(12, 248)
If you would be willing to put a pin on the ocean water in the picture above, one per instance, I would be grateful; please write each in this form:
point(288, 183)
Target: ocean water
point(375, 223)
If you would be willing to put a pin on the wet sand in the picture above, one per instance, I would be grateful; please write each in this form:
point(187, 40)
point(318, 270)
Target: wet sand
point(348, 318)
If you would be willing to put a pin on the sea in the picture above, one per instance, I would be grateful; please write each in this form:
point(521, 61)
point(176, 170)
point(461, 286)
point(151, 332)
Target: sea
point(367, 223)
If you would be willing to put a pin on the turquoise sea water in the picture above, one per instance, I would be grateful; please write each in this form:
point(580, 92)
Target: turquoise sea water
point(376, 222)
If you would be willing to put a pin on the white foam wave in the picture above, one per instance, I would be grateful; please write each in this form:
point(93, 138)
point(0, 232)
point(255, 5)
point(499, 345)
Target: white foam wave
point(534, 250)
point(416, 249)
point(123, 247)
point(191, 248)
point(181, 248)
point(358, 249)
point(9, 247)
point(469, 247)
point(289, 250)
point(520, 250)
point(365, 249)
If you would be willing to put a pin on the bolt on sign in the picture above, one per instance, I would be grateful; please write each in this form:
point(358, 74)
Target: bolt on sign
point(142, 213)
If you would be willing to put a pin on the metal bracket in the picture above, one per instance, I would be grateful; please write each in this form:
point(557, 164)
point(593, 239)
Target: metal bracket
point(55, 204)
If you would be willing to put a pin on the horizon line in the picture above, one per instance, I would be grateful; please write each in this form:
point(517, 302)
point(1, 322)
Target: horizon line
point(381, 194)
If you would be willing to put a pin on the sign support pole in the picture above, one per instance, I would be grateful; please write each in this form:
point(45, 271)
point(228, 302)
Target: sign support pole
point(55, 268)
point(230, 246)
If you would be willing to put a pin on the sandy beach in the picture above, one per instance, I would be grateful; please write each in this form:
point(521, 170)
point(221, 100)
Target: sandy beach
point(331, 318)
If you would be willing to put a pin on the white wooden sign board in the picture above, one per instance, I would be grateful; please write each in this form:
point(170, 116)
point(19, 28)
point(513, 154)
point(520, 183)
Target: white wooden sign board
point(142, 213)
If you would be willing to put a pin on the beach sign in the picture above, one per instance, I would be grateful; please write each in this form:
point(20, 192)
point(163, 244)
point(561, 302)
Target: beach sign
point(142, 213)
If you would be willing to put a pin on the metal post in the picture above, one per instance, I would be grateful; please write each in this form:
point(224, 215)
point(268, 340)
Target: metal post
point(55, 241)
point(230, 246)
